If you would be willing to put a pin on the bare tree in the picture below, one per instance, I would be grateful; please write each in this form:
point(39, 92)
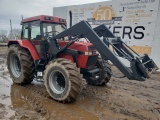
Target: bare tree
point(14, 34)
point(3, 35)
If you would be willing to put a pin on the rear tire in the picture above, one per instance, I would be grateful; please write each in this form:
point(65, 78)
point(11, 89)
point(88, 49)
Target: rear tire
point(63, 80)
point(103, 77)
point(20, 65)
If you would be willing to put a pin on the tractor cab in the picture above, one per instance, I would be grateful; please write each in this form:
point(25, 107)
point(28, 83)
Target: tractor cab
point(39, 28)
point(35, 28)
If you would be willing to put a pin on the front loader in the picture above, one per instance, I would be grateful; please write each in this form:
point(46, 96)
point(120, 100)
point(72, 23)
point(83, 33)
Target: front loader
point(141, 66)
point(49, 51)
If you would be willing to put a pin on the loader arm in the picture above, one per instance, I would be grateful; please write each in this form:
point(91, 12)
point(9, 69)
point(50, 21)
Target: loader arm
point(144, 65)
point(84, 30)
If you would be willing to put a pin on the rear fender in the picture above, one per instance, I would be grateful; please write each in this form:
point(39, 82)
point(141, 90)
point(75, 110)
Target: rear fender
point(28, 45)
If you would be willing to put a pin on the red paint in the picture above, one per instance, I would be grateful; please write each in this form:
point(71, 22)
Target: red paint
point(79, 46)
point(82, 61)
point(28, 45)
point(69, 57)
point(42, 18)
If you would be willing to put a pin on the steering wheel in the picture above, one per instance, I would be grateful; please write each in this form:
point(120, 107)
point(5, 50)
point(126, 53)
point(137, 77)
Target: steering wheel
point(47, 33)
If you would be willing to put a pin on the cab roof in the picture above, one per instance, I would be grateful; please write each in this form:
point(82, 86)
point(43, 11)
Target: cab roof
point(44, 18)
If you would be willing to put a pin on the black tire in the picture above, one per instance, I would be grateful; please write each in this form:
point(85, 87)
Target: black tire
point(103, 77)
point(20, 58)
point(63, 80)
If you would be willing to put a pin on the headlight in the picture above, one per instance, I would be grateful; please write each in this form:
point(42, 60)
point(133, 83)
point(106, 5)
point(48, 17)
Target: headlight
point(91, 52)
point(87, 53)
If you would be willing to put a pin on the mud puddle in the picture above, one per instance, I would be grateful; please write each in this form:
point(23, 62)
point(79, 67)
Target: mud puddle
point(120, 99)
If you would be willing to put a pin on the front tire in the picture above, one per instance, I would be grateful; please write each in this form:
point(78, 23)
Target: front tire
point(63, 80)
point(20, 65)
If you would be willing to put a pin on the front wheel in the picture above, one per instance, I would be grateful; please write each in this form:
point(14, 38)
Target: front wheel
point(63, 80)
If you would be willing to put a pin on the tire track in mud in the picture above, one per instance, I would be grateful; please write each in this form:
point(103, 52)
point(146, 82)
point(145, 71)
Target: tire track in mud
point(121, 102)
point(120, 99)
point(43, 104)
point(38, 103)
point(105, 105)
point(114, 106)
point(23, 99)
point(92, 91)
point(148, 89)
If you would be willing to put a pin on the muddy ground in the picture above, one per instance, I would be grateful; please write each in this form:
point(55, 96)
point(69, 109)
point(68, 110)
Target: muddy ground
point(120, 99)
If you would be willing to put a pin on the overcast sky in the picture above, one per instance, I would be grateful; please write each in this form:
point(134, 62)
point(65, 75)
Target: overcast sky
point(14, 9)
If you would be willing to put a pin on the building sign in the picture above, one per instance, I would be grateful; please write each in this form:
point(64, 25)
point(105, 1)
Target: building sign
point(133, 20)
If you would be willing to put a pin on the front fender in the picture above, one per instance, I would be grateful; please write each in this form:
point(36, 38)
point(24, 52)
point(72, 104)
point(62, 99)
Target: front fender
point(28, 45)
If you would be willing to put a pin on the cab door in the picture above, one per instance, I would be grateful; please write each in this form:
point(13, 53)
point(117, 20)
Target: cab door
point(36, 36)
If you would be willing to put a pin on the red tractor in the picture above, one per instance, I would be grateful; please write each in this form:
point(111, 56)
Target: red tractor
point(31, 56)
point(49, 50)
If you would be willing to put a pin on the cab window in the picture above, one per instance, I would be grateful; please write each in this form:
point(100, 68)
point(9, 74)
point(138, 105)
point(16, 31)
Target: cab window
point(35, 30)
point(52, 28)
point(25, 31)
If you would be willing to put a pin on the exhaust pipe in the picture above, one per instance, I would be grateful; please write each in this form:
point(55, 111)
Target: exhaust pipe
point(70, 16)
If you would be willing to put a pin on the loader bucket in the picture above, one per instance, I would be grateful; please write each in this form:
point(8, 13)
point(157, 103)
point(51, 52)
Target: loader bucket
point(143, 67)
point(149, 63)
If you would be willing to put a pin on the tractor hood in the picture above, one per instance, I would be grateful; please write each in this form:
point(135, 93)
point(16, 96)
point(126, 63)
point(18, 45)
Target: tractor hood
point(79, 46)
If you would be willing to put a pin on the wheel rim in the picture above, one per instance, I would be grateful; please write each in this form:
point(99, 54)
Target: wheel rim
point(15, 65)
point(57, 82)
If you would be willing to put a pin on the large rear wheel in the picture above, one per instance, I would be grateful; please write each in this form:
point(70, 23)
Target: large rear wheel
point(63, 80)
point(20, 65)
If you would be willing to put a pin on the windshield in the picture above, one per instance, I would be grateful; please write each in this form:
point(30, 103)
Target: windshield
point(52, 28)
